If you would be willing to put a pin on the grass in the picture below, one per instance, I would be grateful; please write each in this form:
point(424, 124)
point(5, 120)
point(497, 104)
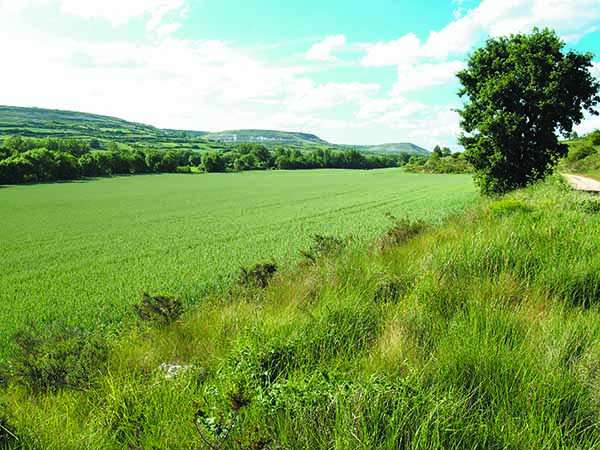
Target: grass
point(488, 339)
point(82, 253)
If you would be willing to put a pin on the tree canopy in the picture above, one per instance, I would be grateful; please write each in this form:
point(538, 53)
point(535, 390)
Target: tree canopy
point(520, 92)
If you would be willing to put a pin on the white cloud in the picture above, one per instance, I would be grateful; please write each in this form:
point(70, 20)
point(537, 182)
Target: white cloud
point(119, 12)
point(115, 12)
point(420, 76)
point(570, 18)
point(323, 51)
point(403, 50)
point(371, 109)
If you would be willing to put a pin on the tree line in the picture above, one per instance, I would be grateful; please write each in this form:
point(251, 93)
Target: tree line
point(441, 160)
point(27, 160)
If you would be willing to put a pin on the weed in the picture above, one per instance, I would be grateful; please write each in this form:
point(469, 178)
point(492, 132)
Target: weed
point(161, 309)
point(257, 276)
point(50, 360)
point(589, 205)
point(323, 247)
point(390, 289)
point(7, 434)
point(400, 232)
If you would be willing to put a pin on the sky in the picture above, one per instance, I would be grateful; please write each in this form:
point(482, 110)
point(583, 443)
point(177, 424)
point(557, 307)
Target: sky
point(350, 71)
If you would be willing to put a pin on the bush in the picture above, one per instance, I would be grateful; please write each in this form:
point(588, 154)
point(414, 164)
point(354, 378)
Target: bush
point(401, 231)
point(159, 309)
point(257, 276)
point(323, 247)
point(595, 137)
point(49, 360)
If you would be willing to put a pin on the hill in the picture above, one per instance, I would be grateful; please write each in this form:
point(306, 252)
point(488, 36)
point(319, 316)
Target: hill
point(38, 122)
point(400, 147)
point(41, 123)
point(266, 136)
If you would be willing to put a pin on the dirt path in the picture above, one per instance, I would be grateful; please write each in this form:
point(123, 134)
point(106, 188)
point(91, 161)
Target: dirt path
point(581, 183)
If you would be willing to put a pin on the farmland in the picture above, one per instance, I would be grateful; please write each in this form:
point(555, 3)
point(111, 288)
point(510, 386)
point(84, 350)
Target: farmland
point(83, 252)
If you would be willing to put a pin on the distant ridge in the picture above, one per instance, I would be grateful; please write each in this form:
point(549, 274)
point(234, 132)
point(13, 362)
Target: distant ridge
point(400, 147)
point(40, 122)
point(265, 136)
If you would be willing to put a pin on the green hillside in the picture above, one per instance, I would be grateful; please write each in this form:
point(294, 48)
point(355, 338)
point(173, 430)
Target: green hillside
point(42, 123)
point(38, 122)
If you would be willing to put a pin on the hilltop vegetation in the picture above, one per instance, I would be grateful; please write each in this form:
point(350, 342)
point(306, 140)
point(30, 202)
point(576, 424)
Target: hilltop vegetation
point(44, 123)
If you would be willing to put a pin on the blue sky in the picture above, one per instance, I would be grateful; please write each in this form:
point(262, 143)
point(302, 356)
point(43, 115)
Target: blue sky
point(350, 71)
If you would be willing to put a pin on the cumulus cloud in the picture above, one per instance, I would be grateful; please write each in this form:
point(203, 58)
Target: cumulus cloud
point(323, 51)
point(570, 18)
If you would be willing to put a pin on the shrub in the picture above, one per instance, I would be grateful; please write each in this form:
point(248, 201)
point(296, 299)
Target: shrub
point(401, 231)
point(49, 360)
point(323, 247)
point(595, 137)
point(257, 276)
point(508, 206)
point(161, 309)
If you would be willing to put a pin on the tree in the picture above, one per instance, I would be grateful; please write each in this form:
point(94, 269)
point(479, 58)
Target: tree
point(519, 91)
point(213, 162)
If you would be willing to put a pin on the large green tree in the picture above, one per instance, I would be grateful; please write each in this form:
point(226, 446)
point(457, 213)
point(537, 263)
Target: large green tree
point(520, 92)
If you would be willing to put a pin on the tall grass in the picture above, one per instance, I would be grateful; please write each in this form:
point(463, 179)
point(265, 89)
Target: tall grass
point(479, 333)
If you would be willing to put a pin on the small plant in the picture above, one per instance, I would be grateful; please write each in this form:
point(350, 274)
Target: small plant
point(214, 431)
point(7, 435)
point(54, 360)
point(323, 247)
point(589, 205)
point(257, 276)
point(507, 206)
point(401, 231)
point(389, 289)
point(159, 309)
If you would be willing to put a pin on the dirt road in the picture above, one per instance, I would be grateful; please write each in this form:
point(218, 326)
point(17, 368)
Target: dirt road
point(581, 183)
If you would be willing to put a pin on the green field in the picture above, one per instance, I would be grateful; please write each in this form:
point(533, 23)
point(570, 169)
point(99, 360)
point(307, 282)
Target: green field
point(83, 252)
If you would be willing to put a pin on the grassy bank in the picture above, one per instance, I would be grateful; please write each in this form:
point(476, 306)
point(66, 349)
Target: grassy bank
point(584, 156)
point(482, 332)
